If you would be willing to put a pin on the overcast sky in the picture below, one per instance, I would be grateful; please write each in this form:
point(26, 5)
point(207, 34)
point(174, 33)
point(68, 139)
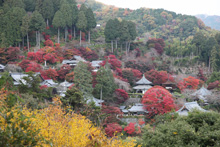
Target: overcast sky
point(190, 7)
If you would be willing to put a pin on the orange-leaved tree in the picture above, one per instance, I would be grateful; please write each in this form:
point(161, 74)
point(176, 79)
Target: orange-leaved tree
point(189, 82)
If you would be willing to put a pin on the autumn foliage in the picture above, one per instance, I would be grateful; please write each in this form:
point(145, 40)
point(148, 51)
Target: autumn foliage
point(213, 85)
point(131, 129)
point(189, 83)
point(49, 74)
point(33, 66)
point(158, 100)
point(52, 126)
point(158, 77)
point(113, 129)
point(121, 95)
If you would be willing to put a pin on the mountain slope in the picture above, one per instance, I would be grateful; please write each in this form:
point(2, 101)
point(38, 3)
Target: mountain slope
point(211, 21)
point(158, 22)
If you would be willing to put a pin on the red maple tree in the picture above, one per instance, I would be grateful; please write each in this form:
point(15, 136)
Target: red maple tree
point(121, 95)
point(158, 100)
point(33, 66)
point(49, 74)
point(113, 129)
point(65, 69)
point(24, 64)
point(130, 129)
point(158, 77)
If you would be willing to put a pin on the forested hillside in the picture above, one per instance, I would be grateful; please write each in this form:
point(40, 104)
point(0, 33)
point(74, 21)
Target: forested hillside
point(159, 22)
point(81, 73)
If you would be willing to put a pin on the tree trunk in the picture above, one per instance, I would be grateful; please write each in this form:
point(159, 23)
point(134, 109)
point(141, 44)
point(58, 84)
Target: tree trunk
point(116, 44)
point(39, 39)
point(209, 64)
point(47, 22)
point(58, 37)
point(112, 46)
point(71, 31)
point(23, 42)
point(28, 43)
point(36, 39)
point(129, 45)
point(89, 37)
point(65, 33)
point(80, 38)
point(126, 47)
point(74, 31)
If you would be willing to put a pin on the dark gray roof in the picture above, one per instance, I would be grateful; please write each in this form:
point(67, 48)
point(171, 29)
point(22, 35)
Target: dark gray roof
point(137, 108)
point(143, 81)
point(202, 93)
point(49, 83)
point(189, 107)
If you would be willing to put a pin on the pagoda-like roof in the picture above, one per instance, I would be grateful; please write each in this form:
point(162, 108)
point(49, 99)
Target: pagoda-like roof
point(143, 81)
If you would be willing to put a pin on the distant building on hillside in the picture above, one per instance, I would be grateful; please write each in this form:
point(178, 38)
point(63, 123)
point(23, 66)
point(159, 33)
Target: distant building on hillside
point(73, 61)
point(189, 107)
point(96, 65)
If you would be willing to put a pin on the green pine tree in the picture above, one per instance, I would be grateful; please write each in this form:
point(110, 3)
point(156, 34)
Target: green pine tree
point(81, 23)
point(25, 28)
point(105, 84)
point(58, 22)
point(67, 15)
point(37, 24)
point(83, 79)
point(47, 10)
point(91, 21)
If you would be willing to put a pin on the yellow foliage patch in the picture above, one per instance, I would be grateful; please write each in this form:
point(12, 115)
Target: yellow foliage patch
point(65, 129)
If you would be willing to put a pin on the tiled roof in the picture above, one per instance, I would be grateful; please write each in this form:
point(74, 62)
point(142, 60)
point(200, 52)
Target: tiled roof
point(143, 81)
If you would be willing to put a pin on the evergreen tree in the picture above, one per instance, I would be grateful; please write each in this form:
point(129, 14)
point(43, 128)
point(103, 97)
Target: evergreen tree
point(58, 22)
point(39, 6)
point(125, 34)
point(83, 8)
point(81, 23)
point(11, 23)
point(73, 97)
point(47, 10)
point(74, 14)
point(110, 32)
point(13, 3)
point(29, 5)
point(37, 24)
point(25, 28)
point(91, 22)
point(56, 5)
point(83, 79)
point(105, 84)
point(67, 12)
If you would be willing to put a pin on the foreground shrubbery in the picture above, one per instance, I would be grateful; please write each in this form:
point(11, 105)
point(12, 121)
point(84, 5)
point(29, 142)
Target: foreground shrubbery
point(51, 126)
point(197, 129)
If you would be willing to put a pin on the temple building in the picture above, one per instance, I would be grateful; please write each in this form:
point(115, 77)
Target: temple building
point(143, 85)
